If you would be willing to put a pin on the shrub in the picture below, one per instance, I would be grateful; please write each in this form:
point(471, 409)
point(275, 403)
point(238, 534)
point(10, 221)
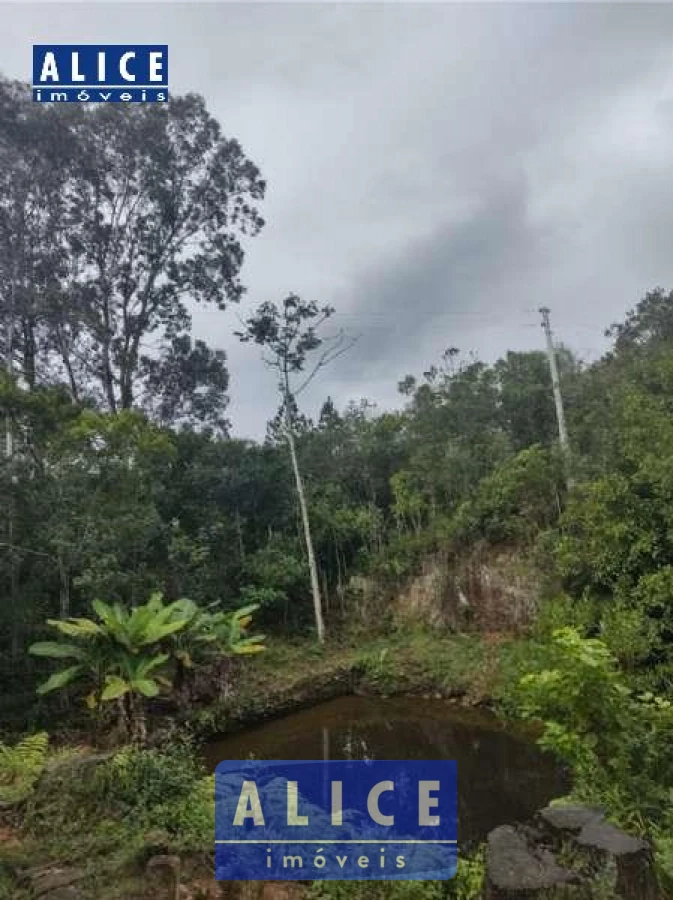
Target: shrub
point(84, 808)
point(562, 611)
point(618, 742)
point(165, 789)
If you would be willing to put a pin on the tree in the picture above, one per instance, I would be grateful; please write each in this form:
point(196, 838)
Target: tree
point(289, 334)
point(525, 401)
point(37, 147)
point(188, 385)
point(110, 220)
point(158, 203)
point(454, 434)
point(649, 324)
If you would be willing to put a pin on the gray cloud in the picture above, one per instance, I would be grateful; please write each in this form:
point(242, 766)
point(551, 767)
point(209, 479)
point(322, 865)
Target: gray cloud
point(435, 171)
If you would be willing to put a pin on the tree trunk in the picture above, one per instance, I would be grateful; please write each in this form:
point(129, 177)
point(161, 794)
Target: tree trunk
point(123, 715)
point(64, 592)
point(313, 568)
point(138, 720)
point(29, 353)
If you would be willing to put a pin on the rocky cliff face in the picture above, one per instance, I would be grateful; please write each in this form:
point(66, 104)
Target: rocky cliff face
point(487, 589)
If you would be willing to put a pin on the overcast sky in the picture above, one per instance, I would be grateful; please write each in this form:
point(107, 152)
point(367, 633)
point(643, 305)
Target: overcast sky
point(435, 171)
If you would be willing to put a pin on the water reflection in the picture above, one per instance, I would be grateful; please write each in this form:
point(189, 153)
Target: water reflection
point(502, 776)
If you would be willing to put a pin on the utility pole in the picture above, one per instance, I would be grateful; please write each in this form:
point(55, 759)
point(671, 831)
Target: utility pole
point(556, 387)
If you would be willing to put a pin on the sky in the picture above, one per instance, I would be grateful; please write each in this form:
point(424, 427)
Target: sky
point(436, 171)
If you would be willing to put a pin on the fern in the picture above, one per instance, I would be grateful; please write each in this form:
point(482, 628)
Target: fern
point(21, 766)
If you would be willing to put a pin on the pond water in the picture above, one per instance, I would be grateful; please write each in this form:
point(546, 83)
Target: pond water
point(502, 776)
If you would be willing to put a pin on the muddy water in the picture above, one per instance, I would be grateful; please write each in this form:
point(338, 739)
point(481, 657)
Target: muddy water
point(502, 776)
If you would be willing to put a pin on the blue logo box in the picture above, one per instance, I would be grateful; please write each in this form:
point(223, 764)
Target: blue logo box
point(383, 820)
point(100, 73)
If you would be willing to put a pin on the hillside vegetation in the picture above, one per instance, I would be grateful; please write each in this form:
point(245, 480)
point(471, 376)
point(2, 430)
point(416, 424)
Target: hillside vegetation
point(146, 552)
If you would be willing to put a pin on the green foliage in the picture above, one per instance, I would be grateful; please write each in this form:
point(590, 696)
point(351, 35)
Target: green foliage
point(212, 634)
point(165, 790)
point(580, 698)
point(123, 655)
point(116, 654)
point(628, 632)
point(618, 741)
point(275, 575)
point(409, 504)
point(21, 766)
point(467, 884)
point(378, 668)
point(562, 611)
point(118, 807)
point(609, 535)
point(401, 555)
point(416, 656)
point(664, 860)
point(515, 502)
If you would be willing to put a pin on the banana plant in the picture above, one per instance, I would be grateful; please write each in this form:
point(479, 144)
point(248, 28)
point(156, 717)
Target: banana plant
point(116, 655)
point(123, 655)
point(210, 637)
point(237, 638)
point(131, 687)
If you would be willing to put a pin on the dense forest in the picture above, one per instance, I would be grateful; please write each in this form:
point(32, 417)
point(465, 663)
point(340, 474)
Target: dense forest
point(120, 480)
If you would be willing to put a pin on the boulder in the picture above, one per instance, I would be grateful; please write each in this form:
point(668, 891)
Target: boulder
point(633, 857)
point(515, 868)
point(569, 817)
point(599, 835)
point(521, 860)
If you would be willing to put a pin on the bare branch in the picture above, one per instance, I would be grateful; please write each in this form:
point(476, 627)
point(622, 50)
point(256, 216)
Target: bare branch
point(340, 345)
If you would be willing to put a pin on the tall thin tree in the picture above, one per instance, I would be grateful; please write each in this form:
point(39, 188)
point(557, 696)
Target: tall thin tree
point(289, 333)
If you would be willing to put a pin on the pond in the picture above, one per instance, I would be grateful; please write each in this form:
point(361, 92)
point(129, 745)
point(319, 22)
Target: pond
point(502, 775)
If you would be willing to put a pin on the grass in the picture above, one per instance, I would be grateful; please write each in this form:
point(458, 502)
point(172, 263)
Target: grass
point(290, 675)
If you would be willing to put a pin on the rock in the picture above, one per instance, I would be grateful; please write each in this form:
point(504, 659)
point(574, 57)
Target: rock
point(603, 836)
point(514, 866)
point(606, 861)
point(635, 868)
point(570, 817)
point(163, 878)
point(48, 879)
